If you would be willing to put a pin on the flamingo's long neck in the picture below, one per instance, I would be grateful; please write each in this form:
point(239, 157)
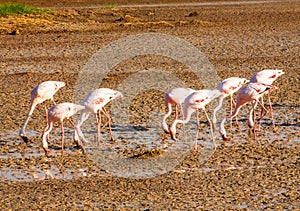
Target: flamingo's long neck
point(220, 102)
point(187, 116)
point(164, 124)
point(32, 107)
point(46, 133)
point(238, 106)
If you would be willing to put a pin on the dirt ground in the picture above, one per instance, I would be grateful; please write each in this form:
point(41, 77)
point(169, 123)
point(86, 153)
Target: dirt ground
point(238, 39)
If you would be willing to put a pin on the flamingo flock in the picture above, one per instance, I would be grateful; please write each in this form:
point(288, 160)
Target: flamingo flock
point(188, 100)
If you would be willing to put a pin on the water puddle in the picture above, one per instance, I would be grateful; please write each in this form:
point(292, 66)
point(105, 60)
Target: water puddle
point(135, 149)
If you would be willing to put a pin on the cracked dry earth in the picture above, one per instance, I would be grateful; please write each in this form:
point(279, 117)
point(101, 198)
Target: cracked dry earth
point(238, 40)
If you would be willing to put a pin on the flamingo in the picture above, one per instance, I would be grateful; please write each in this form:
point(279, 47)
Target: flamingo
point(196, 100)
point(228, 87)
point(42, 92)
point(249, 93)
point(94, 101)
point(57, 113)
point(175, 97)
point(266, 77)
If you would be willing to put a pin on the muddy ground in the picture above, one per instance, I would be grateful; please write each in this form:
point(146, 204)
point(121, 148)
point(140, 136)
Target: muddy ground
point(238, 40)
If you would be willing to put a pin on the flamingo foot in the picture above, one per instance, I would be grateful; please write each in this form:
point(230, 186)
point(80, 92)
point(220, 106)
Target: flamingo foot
point(166, 131)
point(225, 138)
point(47, 152)
point(82, 149)
point(195, 147)
point(25, 138)
point(173, 136)
point(252, 132)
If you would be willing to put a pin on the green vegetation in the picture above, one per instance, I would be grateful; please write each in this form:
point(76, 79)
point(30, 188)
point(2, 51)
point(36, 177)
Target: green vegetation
point(110, 6)
point(21, 9)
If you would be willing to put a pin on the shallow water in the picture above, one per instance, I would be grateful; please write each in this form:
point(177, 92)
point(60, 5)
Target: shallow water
point(27, 163)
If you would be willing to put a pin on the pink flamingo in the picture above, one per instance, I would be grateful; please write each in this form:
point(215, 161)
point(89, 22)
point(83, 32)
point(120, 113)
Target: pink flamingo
point(249, 93)
point(266, 77)
point(174, 97)
point(196, 100)
point(57, 113)
point(94, 101)
point(42, 92)
point(228, 87)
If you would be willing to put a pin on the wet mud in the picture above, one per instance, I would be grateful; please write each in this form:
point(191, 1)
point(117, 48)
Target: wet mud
point(238, 40)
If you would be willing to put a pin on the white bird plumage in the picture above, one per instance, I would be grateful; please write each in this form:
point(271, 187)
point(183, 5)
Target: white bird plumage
point(174, 97)
point(95, 101)
point(196, 100)
point(58, 113)
point(249, 93)
point(228, 87)
point(266, 77)
point(42, 92)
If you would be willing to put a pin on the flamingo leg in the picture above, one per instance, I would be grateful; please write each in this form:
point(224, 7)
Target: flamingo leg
point(261, 114)
point(198, 127)
point(181, 111)
point(236, 119)
point(176, 111)
point(109, 123)
point(62, 137)
point(230, 112)
point(54, 103)
point(98, 116)
point(271, 111)
point(254, 117)
point(211, 128)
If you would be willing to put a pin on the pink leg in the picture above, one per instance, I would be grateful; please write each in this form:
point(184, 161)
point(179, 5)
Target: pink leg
point(230, 112)
point(211, 128)
point(254, 131)
point(198, 128)
point(62, 137)
point(271, 110)
point(261, 114)
point(236, 120)
point(98, 128)
point(109, 123)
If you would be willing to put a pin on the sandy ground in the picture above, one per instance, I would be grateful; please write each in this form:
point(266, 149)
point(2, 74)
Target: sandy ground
point(238, 40)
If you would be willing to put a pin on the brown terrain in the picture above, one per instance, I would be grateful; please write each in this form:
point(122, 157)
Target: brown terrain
point(238, 39)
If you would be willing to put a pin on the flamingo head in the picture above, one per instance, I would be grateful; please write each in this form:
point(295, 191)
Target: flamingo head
point(279, 72)
point(59, 84)
point(244, 81)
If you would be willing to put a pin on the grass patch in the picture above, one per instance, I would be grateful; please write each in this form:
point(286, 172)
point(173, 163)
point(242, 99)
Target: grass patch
point(110, 6)
point(20, 9)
